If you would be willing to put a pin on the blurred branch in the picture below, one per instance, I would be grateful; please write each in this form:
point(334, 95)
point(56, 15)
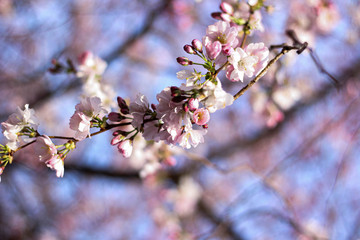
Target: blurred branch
point(218, 221)
point(110, 57)
point(349, 74)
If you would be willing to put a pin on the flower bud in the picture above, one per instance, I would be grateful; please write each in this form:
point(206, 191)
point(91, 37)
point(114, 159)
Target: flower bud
point(216, 15)
point(124, 108)
point(186, 107)
point(178, 99)
point(227, 8)
point(170, 161)
point(189, 49)
point(115, 117)
point(197, 45)
point(153, 106)
point(184, 61)
point(125, 148)
point(193, 104)
point(2, 170)
point(117, 139)
point(205, 126)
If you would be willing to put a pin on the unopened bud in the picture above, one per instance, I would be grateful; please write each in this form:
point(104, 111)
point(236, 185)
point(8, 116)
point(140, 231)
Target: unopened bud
point(216, 15)
point(197, 45)
point(170, 161)
point(153, 106)
point(115, 117)
point(193, 104)
point(227, 8)
point(117, 139)
point(124, 108)
point(175, 91)
point(189, 49)
point(178, 99)
point(184, 61)
point(2, 170)
point(186, 107)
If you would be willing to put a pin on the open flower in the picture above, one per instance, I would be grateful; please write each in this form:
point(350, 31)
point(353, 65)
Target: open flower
point(85, 111)
point(220, 40)
point(249, 61)
point(241, 64)
point(46, 151)
point(56, 164)
point(90, 65)
point(201, 116)
point(16, 123)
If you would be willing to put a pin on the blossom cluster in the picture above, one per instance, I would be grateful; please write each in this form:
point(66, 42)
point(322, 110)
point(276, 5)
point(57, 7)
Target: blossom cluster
point(181, 114)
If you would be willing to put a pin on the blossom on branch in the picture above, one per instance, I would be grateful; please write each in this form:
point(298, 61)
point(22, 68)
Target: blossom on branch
point(46, 151)
point(21, 123)
point(86, 110)
point(249, 61)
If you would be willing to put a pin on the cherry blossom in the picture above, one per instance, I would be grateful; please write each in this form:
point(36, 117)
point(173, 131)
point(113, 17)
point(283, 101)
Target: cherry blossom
point(16, 123)
point(125, 147)
point(220, 38)
point(86, 110)
point(201, 116)
point(91, 66)
point(56, 164)
point(44, 148)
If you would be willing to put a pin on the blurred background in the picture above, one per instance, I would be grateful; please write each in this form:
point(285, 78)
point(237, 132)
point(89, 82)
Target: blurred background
point(282, 162)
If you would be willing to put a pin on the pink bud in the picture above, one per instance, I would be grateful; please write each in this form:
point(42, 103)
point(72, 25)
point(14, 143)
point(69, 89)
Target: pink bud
point(213, 49)
point(225, 17)
point(193, 104)
point(216, 15)
point(170, 161)
point(84, 57)
point(201, 116)
point(186, 107)
point(184, 61)
point(197, 45)
point(124, 108)
point(189, 49)
point(2, 170)
point(125, 148)
point(118, 138)
point(115, 117)
point(153, 106)
point(226, 8)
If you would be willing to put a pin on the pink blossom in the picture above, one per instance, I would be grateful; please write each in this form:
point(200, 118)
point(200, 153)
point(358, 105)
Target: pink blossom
point(138, 110)
point(193, 104)
point(328, 17)
point(170, 161)
point(90, 66)
point(16, 123)
point(213, 49)
point(191, 138)
point(249, 61)
point(125, 147)
point(44, 148)
point(201, 116)
point(80, 123)
point(215, 97)
point(81, 120)
point(220, 38)
point(261, 52)
point(57, 164)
